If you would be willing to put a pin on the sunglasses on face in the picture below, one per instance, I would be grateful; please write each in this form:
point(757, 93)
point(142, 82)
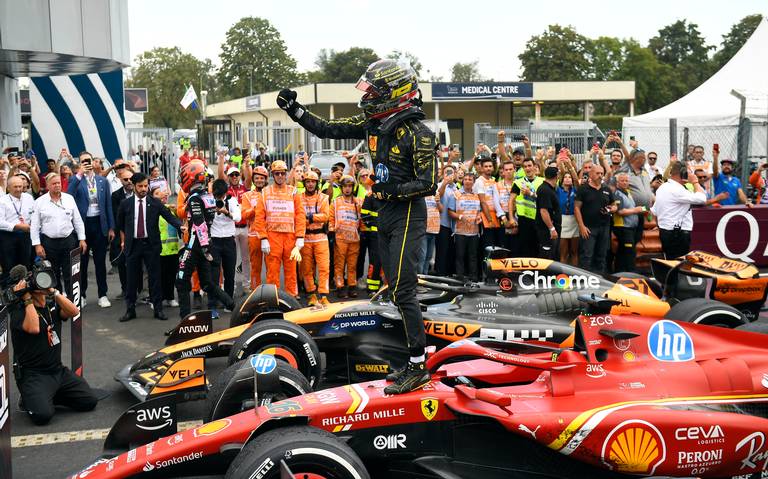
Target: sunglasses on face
point(702, 178)
point(235, 174)
point(279, 173)
point(652, 158)
point(364, 176)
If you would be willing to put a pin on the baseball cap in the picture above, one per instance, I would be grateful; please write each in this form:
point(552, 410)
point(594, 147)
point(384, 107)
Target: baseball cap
point(233, 169)
point(518, 151)
point(728, 160)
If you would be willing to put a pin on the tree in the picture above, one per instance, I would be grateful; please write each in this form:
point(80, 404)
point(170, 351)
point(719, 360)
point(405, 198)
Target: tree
point(465, 72)
point(656, 84)
point(415, 63)
point(345, 66)
point(166, 73)
point(733, 40)
point(559, 54)
point(680, 45)
point(254, 54)
point(606, 57)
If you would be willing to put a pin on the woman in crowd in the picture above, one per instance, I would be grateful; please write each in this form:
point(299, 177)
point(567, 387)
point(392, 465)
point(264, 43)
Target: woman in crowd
point(169, 253)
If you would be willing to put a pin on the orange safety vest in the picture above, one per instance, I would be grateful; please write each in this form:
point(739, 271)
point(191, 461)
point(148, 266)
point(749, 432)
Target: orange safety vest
point(248, 202)
point(433, 214)
point(279, 211)
point(468, 206)
point(317, 206)
point(345, 219)
point(486, 188)
point(504, 193)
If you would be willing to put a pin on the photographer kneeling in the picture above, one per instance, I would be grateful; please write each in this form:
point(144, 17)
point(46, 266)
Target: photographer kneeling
point(42, 379)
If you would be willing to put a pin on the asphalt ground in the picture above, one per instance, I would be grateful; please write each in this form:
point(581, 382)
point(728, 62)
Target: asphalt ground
point(73, 440)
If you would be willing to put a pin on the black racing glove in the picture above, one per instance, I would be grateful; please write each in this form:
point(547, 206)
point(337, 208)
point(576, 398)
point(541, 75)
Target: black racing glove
point(286, 100)
point(384, 191)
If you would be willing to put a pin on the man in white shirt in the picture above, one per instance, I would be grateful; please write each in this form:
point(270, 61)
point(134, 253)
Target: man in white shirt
point(223, 245)
point(55, 229)
point(673, 211)
point(16, 210)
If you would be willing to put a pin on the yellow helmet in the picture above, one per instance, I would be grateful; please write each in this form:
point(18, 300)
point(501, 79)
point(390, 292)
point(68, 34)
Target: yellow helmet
point(347, 179)
point(311, 176)
point(278, 165)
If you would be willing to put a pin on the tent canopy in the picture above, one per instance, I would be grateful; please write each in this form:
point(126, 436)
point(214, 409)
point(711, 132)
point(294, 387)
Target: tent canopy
point(712, 104)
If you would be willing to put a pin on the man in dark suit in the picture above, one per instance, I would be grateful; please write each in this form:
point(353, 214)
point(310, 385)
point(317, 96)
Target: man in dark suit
point(138, 218)
point(124, 174)
point(93, 198)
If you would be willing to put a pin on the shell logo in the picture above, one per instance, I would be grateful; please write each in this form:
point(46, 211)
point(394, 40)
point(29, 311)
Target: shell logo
point(212, 427)
point(634, 447)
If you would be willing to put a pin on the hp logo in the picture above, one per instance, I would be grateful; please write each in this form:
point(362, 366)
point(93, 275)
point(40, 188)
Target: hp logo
point(263, 363)
point(668, 341)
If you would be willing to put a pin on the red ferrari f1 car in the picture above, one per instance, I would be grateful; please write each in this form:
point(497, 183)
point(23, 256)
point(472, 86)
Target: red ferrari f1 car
point(632, 396)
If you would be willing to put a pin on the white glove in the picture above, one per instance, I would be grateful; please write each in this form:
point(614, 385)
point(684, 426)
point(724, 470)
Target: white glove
point(299, 243)
point(265, 246)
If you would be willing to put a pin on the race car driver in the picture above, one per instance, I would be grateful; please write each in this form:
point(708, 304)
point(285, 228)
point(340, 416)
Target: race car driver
point(248, 208)
point(315, 253)
point(280, 224)
point(200, 211)
point(403, 152)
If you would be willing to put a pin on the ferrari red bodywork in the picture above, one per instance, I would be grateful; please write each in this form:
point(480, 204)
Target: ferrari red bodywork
point(633, 396)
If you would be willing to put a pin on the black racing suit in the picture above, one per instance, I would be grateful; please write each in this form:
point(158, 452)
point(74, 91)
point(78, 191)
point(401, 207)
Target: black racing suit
point(201, 209)
point(403, 151)
point(370, 217)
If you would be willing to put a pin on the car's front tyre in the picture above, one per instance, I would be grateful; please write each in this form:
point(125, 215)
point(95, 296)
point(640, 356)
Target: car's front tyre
point(307, 451)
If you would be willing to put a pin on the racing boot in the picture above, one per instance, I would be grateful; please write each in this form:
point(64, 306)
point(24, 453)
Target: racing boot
point(394, 375)
point(414, 377)
point(324, 301)
point(352, 292)
point(312, 301)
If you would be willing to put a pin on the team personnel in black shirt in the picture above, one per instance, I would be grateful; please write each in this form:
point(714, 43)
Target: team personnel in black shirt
point(42, 379)
point(548, 218)
point(593, 208)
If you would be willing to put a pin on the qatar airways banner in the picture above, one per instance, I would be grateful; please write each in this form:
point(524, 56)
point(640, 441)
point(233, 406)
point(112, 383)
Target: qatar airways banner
point(734, 231)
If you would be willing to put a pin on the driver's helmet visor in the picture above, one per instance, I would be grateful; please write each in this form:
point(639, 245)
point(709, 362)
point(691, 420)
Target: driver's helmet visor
point(369, 91)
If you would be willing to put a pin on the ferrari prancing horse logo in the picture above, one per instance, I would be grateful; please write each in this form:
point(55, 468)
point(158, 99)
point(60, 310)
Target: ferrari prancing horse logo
point(429, 408)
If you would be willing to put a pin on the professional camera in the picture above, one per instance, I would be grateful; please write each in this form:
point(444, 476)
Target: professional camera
point(41, 277)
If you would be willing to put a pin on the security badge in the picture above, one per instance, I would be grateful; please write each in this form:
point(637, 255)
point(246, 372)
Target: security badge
point(53, 338)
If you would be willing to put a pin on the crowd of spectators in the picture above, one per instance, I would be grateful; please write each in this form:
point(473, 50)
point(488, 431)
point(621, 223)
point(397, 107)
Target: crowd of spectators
point(588, 209)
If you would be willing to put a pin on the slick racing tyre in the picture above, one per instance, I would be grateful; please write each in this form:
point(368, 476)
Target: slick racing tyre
point(307, 451)
point(240, 394)
point(759, 326)
point(706, 311)
point(265, 298)
point(285, 341)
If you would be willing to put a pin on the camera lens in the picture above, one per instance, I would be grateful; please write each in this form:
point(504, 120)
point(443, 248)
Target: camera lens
point(44, 280)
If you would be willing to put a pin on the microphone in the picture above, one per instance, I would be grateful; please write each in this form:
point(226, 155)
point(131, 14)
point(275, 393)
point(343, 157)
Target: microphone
point(17, 273)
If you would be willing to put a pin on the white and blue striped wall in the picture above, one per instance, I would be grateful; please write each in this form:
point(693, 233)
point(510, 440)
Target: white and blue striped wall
point(78, 112)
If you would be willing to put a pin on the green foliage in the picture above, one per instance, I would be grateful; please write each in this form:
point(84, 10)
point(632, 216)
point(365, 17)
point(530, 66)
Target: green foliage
point(166, 73)
point(558, 54)
point(415, 63)
point(734, 39)
point(466, 72)
point(254, 53)
point(345, 66)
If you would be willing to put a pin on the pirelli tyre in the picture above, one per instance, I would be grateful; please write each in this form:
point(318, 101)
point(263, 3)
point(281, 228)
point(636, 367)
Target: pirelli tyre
point(706, 311)
point(239, 391)
point(307, 452)
point(285, 341)
point(264, 298)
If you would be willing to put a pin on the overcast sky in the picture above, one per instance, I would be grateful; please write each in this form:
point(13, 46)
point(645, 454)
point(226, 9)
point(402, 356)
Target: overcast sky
point(439, 33)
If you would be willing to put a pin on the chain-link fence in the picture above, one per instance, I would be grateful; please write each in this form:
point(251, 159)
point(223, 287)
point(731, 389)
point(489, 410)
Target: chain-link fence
point(746, 142)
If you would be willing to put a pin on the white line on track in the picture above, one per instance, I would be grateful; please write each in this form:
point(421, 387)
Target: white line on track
point(76, 436)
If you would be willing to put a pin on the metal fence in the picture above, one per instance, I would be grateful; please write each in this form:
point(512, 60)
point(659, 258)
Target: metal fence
point(746, 142)
point(161, 139)
point(577, 136)
point(281, 142)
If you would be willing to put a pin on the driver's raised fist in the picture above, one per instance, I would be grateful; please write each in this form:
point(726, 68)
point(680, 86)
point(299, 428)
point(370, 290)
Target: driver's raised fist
point(286, 99)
